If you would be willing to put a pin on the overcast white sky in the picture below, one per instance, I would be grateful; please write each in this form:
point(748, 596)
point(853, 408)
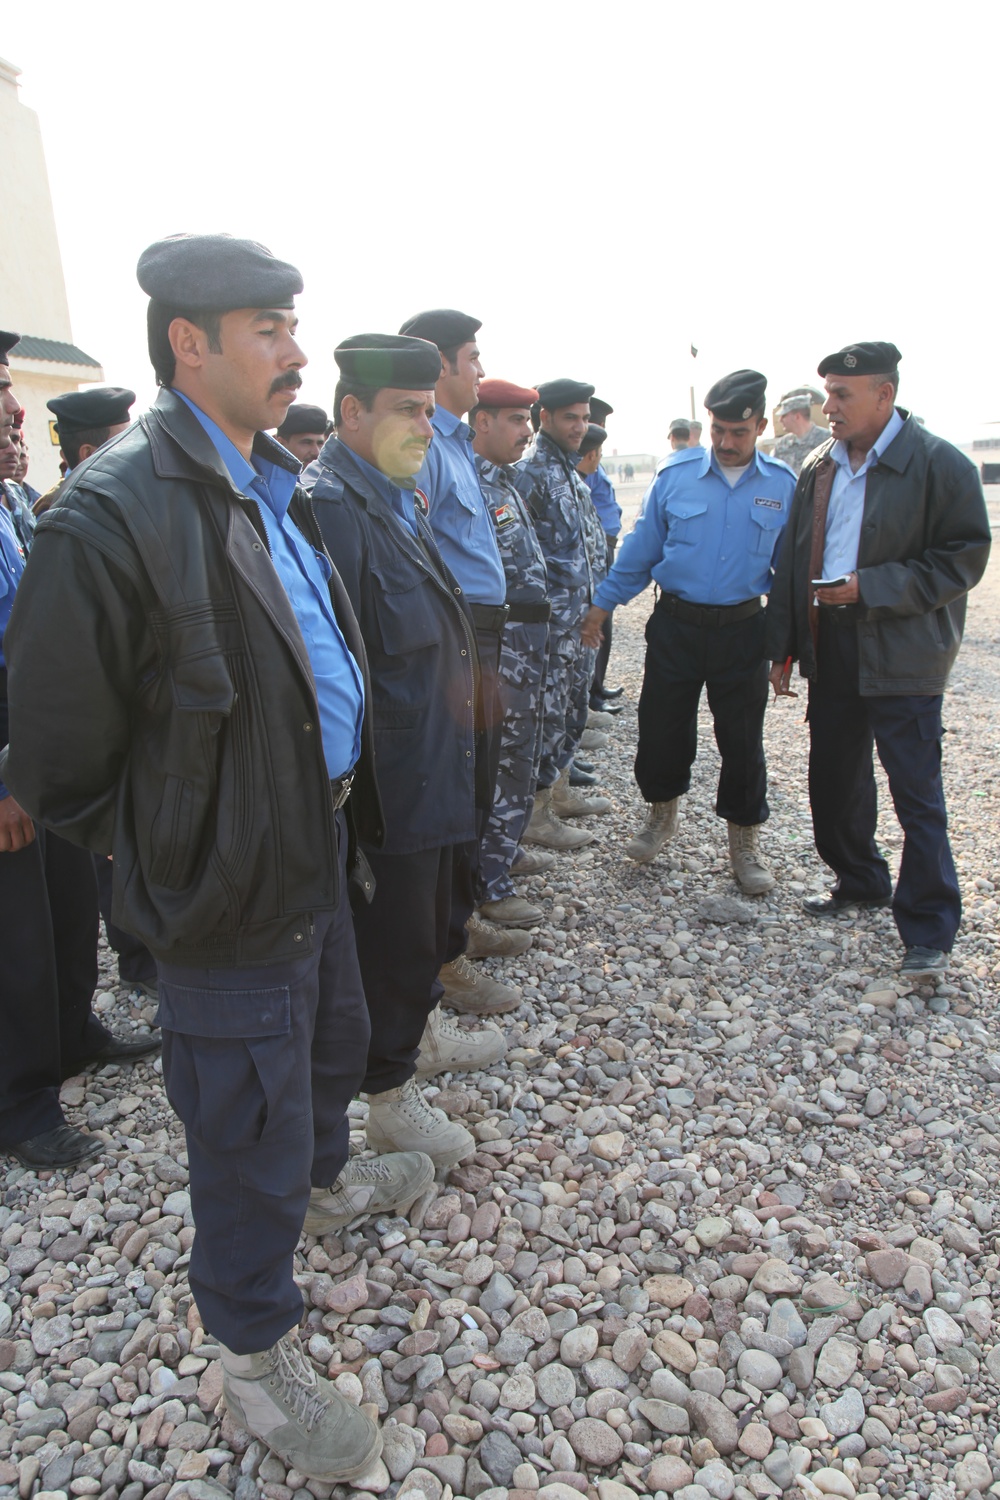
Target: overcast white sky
point(603, 184)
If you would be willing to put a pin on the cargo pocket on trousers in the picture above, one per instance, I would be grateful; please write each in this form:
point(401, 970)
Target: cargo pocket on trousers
point(230, 1069)
point(929, 728)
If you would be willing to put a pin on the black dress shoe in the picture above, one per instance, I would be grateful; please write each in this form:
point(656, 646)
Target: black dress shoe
point(62, 1147)
point(602, 706)
point(581, 778)
point(116, 1050)
point(584, 765)
point(924, 961)
point(612, 692)
point(830, 904)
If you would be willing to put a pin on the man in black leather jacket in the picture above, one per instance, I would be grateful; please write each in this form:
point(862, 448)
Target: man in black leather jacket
point(188, 691)
point(893, 521)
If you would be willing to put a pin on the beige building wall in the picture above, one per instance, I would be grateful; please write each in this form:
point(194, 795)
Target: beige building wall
point(32, 289)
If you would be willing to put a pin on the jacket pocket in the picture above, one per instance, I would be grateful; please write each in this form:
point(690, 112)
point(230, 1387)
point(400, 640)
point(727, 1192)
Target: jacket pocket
point(404, 609)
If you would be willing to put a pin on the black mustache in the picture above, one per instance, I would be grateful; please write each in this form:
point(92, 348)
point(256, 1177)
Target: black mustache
point(290, 382)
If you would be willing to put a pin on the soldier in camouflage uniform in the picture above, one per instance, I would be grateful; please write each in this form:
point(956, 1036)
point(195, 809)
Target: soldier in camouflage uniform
point(572, 541)
point(501, 432)
point(802, 434)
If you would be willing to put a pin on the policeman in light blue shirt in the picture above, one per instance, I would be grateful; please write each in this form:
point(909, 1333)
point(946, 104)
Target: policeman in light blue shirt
point(708, 537)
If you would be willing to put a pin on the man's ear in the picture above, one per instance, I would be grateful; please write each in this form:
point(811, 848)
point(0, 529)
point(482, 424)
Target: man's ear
point(188, 342)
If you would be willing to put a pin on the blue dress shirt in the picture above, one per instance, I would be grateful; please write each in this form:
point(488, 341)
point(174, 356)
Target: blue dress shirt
point(847, 501)
point(305, 575)
point(701, 539)
point(458, 513)
point(602, 492)
point(401, 500)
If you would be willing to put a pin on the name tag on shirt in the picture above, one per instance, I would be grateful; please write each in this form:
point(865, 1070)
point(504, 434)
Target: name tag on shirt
point(767, 502)
point(504, 515)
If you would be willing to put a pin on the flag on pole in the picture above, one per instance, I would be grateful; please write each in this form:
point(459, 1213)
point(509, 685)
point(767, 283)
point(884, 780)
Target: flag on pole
point(694, 352)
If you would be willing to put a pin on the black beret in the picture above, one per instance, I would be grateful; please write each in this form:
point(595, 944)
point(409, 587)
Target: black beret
point(861, 359)
point(380, 361)
point(680, 424)
point(301, 417)
point(7, 342)
point(738, 396)
point(215, 273)
point(81, 411)
point(593, 438)
point(600, 410)
point(554, 394)
point(443, 326)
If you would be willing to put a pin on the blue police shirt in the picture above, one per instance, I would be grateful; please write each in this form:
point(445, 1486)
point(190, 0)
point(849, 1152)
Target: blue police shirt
point(305, 575)
point(458, 513)
point(11, 568)
point(401, 500)
point(700, 539)
point(847, 501)
point(602, 492)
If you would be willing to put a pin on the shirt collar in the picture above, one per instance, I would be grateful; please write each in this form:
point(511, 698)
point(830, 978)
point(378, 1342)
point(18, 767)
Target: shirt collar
point(711, 462)
point(261, 480)
point(839, 452)
point(446, 423)
point(380, 483)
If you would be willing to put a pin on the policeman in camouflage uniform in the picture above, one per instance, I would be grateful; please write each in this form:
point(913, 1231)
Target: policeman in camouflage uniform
point(801, 435)
point(502, 430)
point(569, 533)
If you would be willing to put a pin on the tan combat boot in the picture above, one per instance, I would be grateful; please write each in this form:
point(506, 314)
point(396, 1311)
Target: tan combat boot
point(402, 1120)
point(380, 1185)
point(277, 1396)
point(512, 911)
point(659, 828)
point(448, 1048)
point(486, 940)
point(546, 829)
point(531, 862)
point(751, 869)
point(469, 990)
point(569, 802)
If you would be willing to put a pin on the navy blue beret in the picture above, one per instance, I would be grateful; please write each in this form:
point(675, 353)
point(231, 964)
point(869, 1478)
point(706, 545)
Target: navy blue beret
point(738, 396)
point(555, 394)
point(593, 438)
point(381, 361)
point(215, 273)
point(600, 410)
point(861, 359)
point(100, 406)
point(444, 326)
point(301, 417)
point(7, 342)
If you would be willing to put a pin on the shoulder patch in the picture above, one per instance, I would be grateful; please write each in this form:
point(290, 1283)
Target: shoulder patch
point(421, 503)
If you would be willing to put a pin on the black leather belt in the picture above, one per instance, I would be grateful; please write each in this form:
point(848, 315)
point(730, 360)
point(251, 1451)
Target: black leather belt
point(707, 614)
point(340, 789)
point(488, 616)
point(530, 614)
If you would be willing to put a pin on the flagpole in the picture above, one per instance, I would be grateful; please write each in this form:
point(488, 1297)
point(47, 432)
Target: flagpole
point(694, 355)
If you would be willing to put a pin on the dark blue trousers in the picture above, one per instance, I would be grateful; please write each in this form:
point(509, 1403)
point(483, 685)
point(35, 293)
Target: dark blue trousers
point(260, 1064)
point(906, 731)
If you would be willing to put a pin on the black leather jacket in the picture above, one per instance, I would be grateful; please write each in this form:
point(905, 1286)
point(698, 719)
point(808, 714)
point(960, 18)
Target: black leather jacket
point(925, 542)
point(162, 705)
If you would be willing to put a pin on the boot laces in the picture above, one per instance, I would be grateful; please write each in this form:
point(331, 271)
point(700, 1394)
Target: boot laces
point(747, 840)
point(463, 968)
point(420, 1111)
point(296, 1382)
point(362, 1173)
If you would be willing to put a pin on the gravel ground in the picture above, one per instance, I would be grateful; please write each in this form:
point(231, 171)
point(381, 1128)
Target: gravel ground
point(731, 1229)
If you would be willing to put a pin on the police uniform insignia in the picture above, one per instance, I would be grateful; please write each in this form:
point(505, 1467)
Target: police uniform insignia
point(767, 502)
point(850, 360)
point(420, 502)
point(504, 515)
point(747, 412)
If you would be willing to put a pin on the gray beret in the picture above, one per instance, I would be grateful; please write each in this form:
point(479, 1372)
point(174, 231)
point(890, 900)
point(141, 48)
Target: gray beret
point(301, 417)
point(82, 411)
point(594, 437)
point(554, 394)
point(866, 358)
point(444, 326)
point(215, 273)
point(738, 396)
point(8, 341)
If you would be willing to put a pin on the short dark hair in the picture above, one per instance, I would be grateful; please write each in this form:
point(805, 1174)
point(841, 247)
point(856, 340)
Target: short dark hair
point(364, 393)
point(451, 353)
point(159, 316)
point(491, 411)
point(888, 377)
point(94, 437)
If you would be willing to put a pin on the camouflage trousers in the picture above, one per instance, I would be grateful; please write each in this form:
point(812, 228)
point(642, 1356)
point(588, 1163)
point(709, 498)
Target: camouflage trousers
point(569, 662)
point(523, 661)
